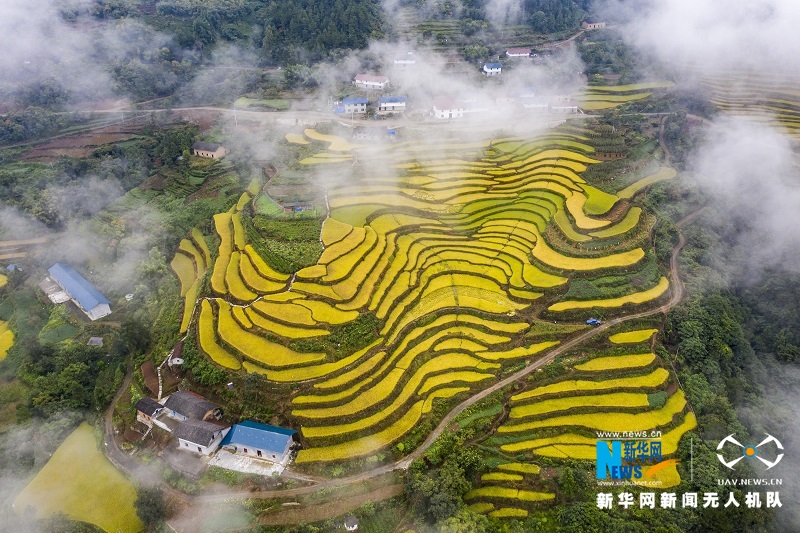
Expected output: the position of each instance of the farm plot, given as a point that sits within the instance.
(80, 482)
(597, 98)
(451, 263)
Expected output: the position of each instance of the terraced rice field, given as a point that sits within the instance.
(598, 98)
(6, 339)
(449, 255)
(772, 100)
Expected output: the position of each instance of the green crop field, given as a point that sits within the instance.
(80, 482)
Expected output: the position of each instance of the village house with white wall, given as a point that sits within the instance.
(370, 81)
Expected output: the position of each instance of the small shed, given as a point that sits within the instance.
(260, 440)
(95, 341)
(351, 523)
(210, 150)
(199, 436)
(146, 410)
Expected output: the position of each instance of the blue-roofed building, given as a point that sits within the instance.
(80, 291)
(260, 440)
(355, 104)
(492, 69)
(392, 104)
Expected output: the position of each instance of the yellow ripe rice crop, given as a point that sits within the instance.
(575, 205)
(667, 475)
(616, 399)
(234, 281)
(6, 339)
(444, 393)
(184, 269)
(629, 222)
(208, 342)
(343, 246)
(562, 221)
(523, 468)
(288, 312)
(616, 362)
(670, 439)
(365, 445)
(340, 267)
(188, 306)
(200, 241)
(334, 231)
(241, 317)
(635, 298)
(567, 439)
(296, 138)
(509, 512)
(651, 380)
(223, 225)
(199, 260)
(3, 280)
(548, 256)
(254, 280)
(382, 391)
(614, 99)
(500, 476)
(515, 353)
(608, 421)
(357, 372)
(263, 268)
(258, 348)
(508, 493)
(312, 272)
(452, 377)
(335, 143)
(568, 451)
(664, 173)
(325, 313)
(243, 200)
(290, 332)
(238, 231)
(640, 335)
(597, 202)
(292, 375)
(481, 507)
(466, 345)
(631, 86)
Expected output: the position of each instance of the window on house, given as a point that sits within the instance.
(245, 450)
(259, 453)
(199, 449)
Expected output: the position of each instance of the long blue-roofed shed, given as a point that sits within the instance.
(80, 291)
(260, 440)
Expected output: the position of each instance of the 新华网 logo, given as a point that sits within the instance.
(751, 451)
(619, 459)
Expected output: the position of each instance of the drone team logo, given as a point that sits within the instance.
(751, 451)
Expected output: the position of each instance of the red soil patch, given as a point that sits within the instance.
(150, 376)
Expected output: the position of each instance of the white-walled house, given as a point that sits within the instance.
(76, 288)
(445, 107)
(493, 69)
(392, 104)
(355, 105)
(199, 436)
(210, 150)
(518, 52)
(369, 81)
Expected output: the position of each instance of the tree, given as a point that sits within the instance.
(150, 506)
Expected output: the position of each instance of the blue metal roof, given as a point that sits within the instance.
(261, 436)
(355, 100)
(76, 285)
(494, 65)
(392, 100)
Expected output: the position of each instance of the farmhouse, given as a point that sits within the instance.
(391, 104)
(566, 107)
(200, 436)
(445, 107)
(211, 150)
(351, 523)
(367, 133)
(183, 405)
(260, 440)
(518, 52)
(368, 81)
(63, 284)
(492, 69)
(355, 105)
(146, 410)
(592, 25)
